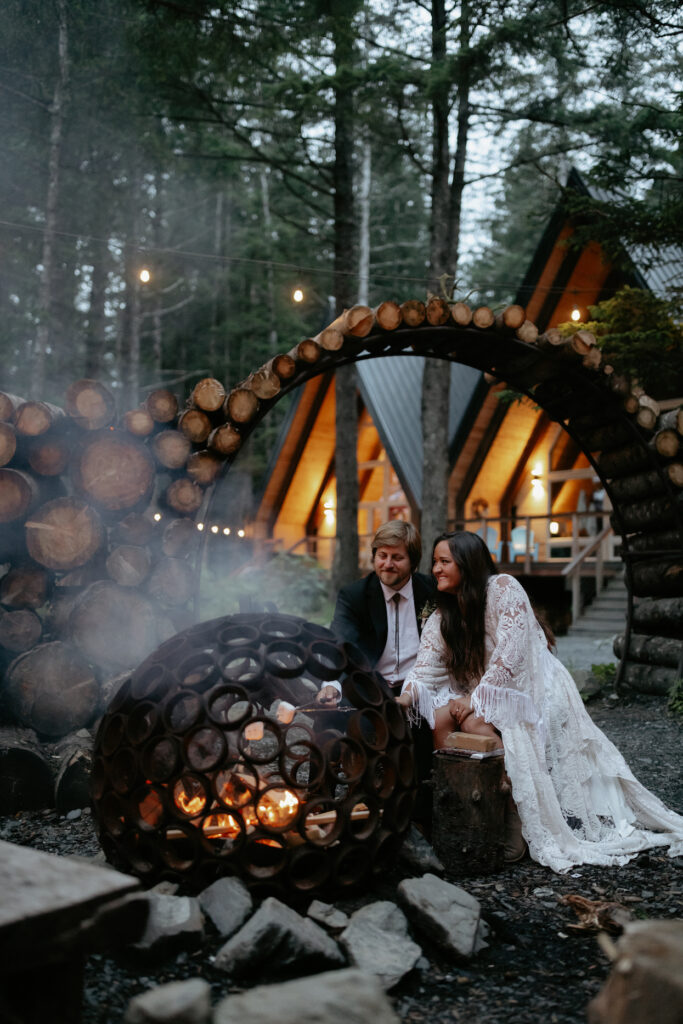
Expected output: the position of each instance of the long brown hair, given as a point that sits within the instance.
(462, 614)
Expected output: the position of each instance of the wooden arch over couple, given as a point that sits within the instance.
(633, 449)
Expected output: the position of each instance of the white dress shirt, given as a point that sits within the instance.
(395, 668)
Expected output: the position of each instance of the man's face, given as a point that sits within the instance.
(392, 565)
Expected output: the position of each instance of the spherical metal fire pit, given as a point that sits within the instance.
(213, 759)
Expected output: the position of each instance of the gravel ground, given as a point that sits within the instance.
(536, 967)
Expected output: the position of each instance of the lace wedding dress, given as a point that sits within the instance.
(577, 798)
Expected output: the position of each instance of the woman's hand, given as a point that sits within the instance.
(460, 708)
(405, 699)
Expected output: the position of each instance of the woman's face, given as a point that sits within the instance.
(445, 571)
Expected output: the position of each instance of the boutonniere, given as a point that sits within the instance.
(427, 609)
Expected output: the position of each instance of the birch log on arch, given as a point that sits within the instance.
(49, 455)
(283, 365)
(331, 339)
(667, 443)
(672, 420)
(413, 312)
(643, 485)
(25, 586)
(437, 312)
(171, 448)
(34, 418)
(139, 422)
(661, 540)
(64, 533)
(162, 405)
(650, 515)
(208, 394)
(51, 689)
(511, 318)
(18, 493)
(203, 467)
(195, 424)
(650, 650)
(661, 578)
(461, 314)
(113, 470)
(225, 440)
(388, 315)
(357, 321)
(90, 404)
(112, 626)
(264, 383)
(307, 351)
(483, 317)
(648, 412)
(8, 442)
(129, 565)
(528, 332)
(663, 617)
(242, 404)
(184, 496)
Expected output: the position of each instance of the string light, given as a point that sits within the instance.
(157, 516)
(214, 529)
(240, 533)
(200, 526)
(226, 531)
(298, 295)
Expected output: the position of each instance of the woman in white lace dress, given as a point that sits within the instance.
(484, 663)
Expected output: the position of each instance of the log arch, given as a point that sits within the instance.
(614, 426)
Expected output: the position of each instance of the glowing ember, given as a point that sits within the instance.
(189, 796)
(277, 807)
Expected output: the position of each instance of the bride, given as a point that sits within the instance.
(484, 662)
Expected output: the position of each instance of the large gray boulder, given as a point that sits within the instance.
(445, 913)
(280, 940)
(377, 942)
(338, 997)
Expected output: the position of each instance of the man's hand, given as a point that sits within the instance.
(328, 695)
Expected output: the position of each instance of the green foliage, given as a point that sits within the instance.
(675, 701)
(605, 673)
(296, 584)
(640, 335)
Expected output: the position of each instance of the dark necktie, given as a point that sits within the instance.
(397, 600)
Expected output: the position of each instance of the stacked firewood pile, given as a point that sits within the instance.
(646, 479)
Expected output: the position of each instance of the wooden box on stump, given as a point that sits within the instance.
(470, 793)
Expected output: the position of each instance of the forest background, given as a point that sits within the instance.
(356, 150)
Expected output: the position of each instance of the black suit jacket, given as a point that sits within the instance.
(360, 615)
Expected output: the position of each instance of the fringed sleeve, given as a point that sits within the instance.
(429, 682)
(504, 695)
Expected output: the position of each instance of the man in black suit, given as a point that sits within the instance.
(383, 614)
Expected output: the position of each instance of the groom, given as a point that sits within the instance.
(383, 614)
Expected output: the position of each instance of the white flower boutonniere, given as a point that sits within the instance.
(427, 609)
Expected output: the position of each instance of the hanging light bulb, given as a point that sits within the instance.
(145, 275)
(298, 295)
(576, 314)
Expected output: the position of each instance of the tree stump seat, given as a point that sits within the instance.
(54, 912)
(470, 793)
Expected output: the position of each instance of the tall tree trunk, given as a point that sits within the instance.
(129, 356)
(364, 240)
(270, 281)
(443, 258)
(95, 330)
(57, 112)
(346, 464)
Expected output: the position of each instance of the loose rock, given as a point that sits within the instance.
(338, 997)
(418, 855)
(377, 942)
(178, 1002)
(174, 923)
(279, 938)
(328, 916)
(447, 914)
(227, 903)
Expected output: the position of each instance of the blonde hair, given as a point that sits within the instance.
(399, 532)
